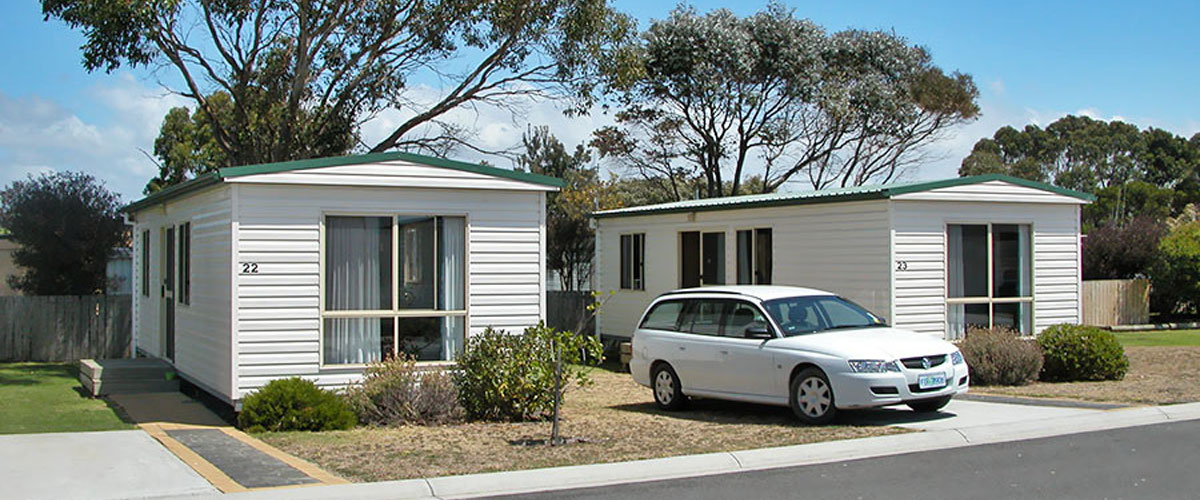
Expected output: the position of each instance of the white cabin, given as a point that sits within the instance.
(314, 268)
(934, 257)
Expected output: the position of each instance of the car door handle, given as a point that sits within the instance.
(682, 348)
(725, 353)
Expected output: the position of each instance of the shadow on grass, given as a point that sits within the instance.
(34, 374)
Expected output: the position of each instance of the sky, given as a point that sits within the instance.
(1034, 61)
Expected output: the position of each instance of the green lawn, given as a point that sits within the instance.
(44, 397)
(1160, 338)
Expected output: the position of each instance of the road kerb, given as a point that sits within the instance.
(585, 476)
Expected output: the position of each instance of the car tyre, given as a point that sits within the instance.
(811, 397)
(929, 405)
(668, 392)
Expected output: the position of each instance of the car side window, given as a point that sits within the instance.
(703, 317)
(741, 316)
(664, 316)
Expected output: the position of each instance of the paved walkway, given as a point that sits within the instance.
(229, 459)
(94, 466)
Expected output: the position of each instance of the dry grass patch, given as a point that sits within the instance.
(616, 418)
(1157, 375)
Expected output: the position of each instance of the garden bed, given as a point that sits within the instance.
(613, 420)
(1158, 374)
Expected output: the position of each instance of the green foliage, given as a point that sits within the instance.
(569, 234)
(1122, 251)
(278, 81)
(513, 377)
(708, 92)
(1132, 171)
(294, 404)
(1175, 277)
(1078, 352)
(66, 224)
(396, 392)
(997, 356)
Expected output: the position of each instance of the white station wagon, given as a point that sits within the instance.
(788, 346)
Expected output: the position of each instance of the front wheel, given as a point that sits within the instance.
(812, 397)
(668, 392)
(929, 405)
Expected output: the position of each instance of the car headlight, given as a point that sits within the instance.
(956, 358)
(873, 366)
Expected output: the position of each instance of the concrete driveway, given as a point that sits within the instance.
(93, 465)
(961, 413)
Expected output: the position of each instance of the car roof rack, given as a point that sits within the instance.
(717, 291)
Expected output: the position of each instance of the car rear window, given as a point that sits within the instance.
(664, 316)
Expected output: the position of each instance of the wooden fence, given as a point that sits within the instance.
(65, 328)
(564, 310)
(1116, 302)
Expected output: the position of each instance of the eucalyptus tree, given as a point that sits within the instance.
(300, 76)
(714, 95)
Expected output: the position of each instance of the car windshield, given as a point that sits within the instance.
(804, 315)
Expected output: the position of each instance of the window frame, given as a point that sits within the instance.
(754, 260)
(145, 262)
(633, 278)
(990, 299)
(183, 264)
(724, 251)
(395, 313)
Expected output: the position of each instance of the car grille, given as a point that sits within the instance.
(919, 363)
(916, 389)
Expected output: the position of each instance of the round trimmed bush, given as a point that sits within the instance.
(1077, 352)
(294, 404)
(997, 356)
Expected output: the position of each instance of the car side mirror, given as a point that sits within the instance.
(759, 332)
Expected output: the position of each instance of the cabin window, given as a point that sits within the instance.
(754, 256)
(989, 277)
(633, 261)
(393, 285)
(185, 263)
(145, 263)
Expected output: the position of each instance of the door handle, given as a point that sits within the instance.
(725, 352)
(682, 348)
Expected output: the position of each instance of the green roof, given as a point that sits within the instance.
(828, 196)
(208, 179)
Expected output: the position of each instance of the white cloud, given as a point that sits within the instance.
(41, 135)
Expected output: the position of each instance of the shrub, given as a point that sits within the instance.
(396, 392)
(997, 356)
(1077, 352)
(1175, 276)
(512, 377)
(294, 404)
(1122, 251)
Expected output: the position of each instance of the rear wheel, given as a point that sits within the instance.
(812, 397)
(668, 392)
(929, 405)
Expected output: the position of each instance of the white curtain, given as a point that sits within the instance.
(451, 286)
(954, 258)
(354, 265)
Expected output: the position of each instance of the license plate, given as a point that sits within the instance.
(931, 380)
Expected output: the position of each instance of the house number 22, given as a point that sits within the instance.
(901, 265)
(249, 268)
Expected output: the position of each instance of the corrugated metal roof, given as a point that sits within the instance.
(827, 196)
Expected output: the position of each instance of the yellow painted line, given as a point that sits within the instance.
(219, 479)
(203, 467)
(301, 465)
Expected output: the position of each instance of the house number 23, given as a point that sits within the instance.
(249, 268)
(901, 265)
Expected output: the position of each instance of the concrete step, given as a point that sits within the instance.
(127, 376)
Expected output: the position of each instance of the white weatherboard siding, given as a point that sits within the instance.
(920, 241)
(202, 328)
(840, 247)
(277, 310)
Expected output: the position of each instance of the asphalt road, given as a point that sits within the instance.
(1157, 461)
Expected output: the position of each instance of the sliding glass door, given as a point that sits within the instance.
(989, 277)
(393, 285)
